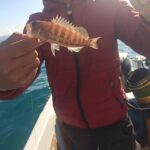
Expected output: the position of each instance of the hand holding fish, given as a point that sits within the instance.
(59, 32)
(18, 61)
(143, 6)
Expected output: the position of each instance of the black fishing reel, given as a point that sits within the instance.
(139, 83)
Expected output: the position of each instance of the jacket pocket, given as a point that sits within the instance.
(126, 128)
(124, 138)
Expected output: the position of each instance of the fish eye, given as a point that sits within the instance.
(34, 23)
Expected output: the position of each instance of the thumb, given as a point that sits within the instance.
(13, 38)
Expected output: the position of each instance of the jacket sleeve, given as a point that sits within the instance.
(10, 94)
(130, 28)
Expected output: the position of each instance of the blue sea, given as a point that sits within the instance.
(18, 116)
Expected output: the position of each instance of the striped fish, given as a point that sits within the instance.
(60, 32)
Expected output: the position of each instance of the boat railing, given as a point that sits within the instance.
(43, 131)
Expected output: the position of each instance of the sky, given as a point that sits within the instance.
(15, 13)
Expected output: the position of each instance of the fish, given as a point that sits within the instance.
(60, 32)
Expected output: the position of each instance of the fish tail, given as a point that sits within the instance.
(93, 42)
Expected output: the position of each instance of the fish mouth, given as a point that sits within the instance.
(31, 26)
(32, 29)
(34, 24)
(28, 29)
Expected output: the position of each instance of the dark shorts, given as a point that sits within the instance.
(118, 136)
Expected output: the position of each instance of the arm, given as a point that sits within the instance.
(19, 65)
(131, 29)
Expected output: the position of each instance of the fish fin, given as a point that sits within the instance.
(74, 49)
(83, 31)
(65, 22)
(54, 47)
(93, 42)
(62, 21)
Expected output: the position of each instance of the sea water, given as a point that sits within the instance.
(18, 116)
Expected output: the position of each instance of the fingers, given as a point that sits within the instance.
(15, 83)
(21, 62)
(28, 78)
(13, 38)
(28, 74)
(26, 70)
(22, 76)
(19, 48)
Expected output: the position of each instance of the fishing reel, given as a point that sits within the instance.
(139, 83)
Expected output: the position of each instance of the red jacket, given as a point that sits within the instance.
(86, 89)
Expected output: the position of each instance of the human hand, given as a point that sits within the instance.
(143, 6)
(18, 61)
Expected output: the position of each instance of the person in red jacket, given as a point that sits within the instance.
(87, 93)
